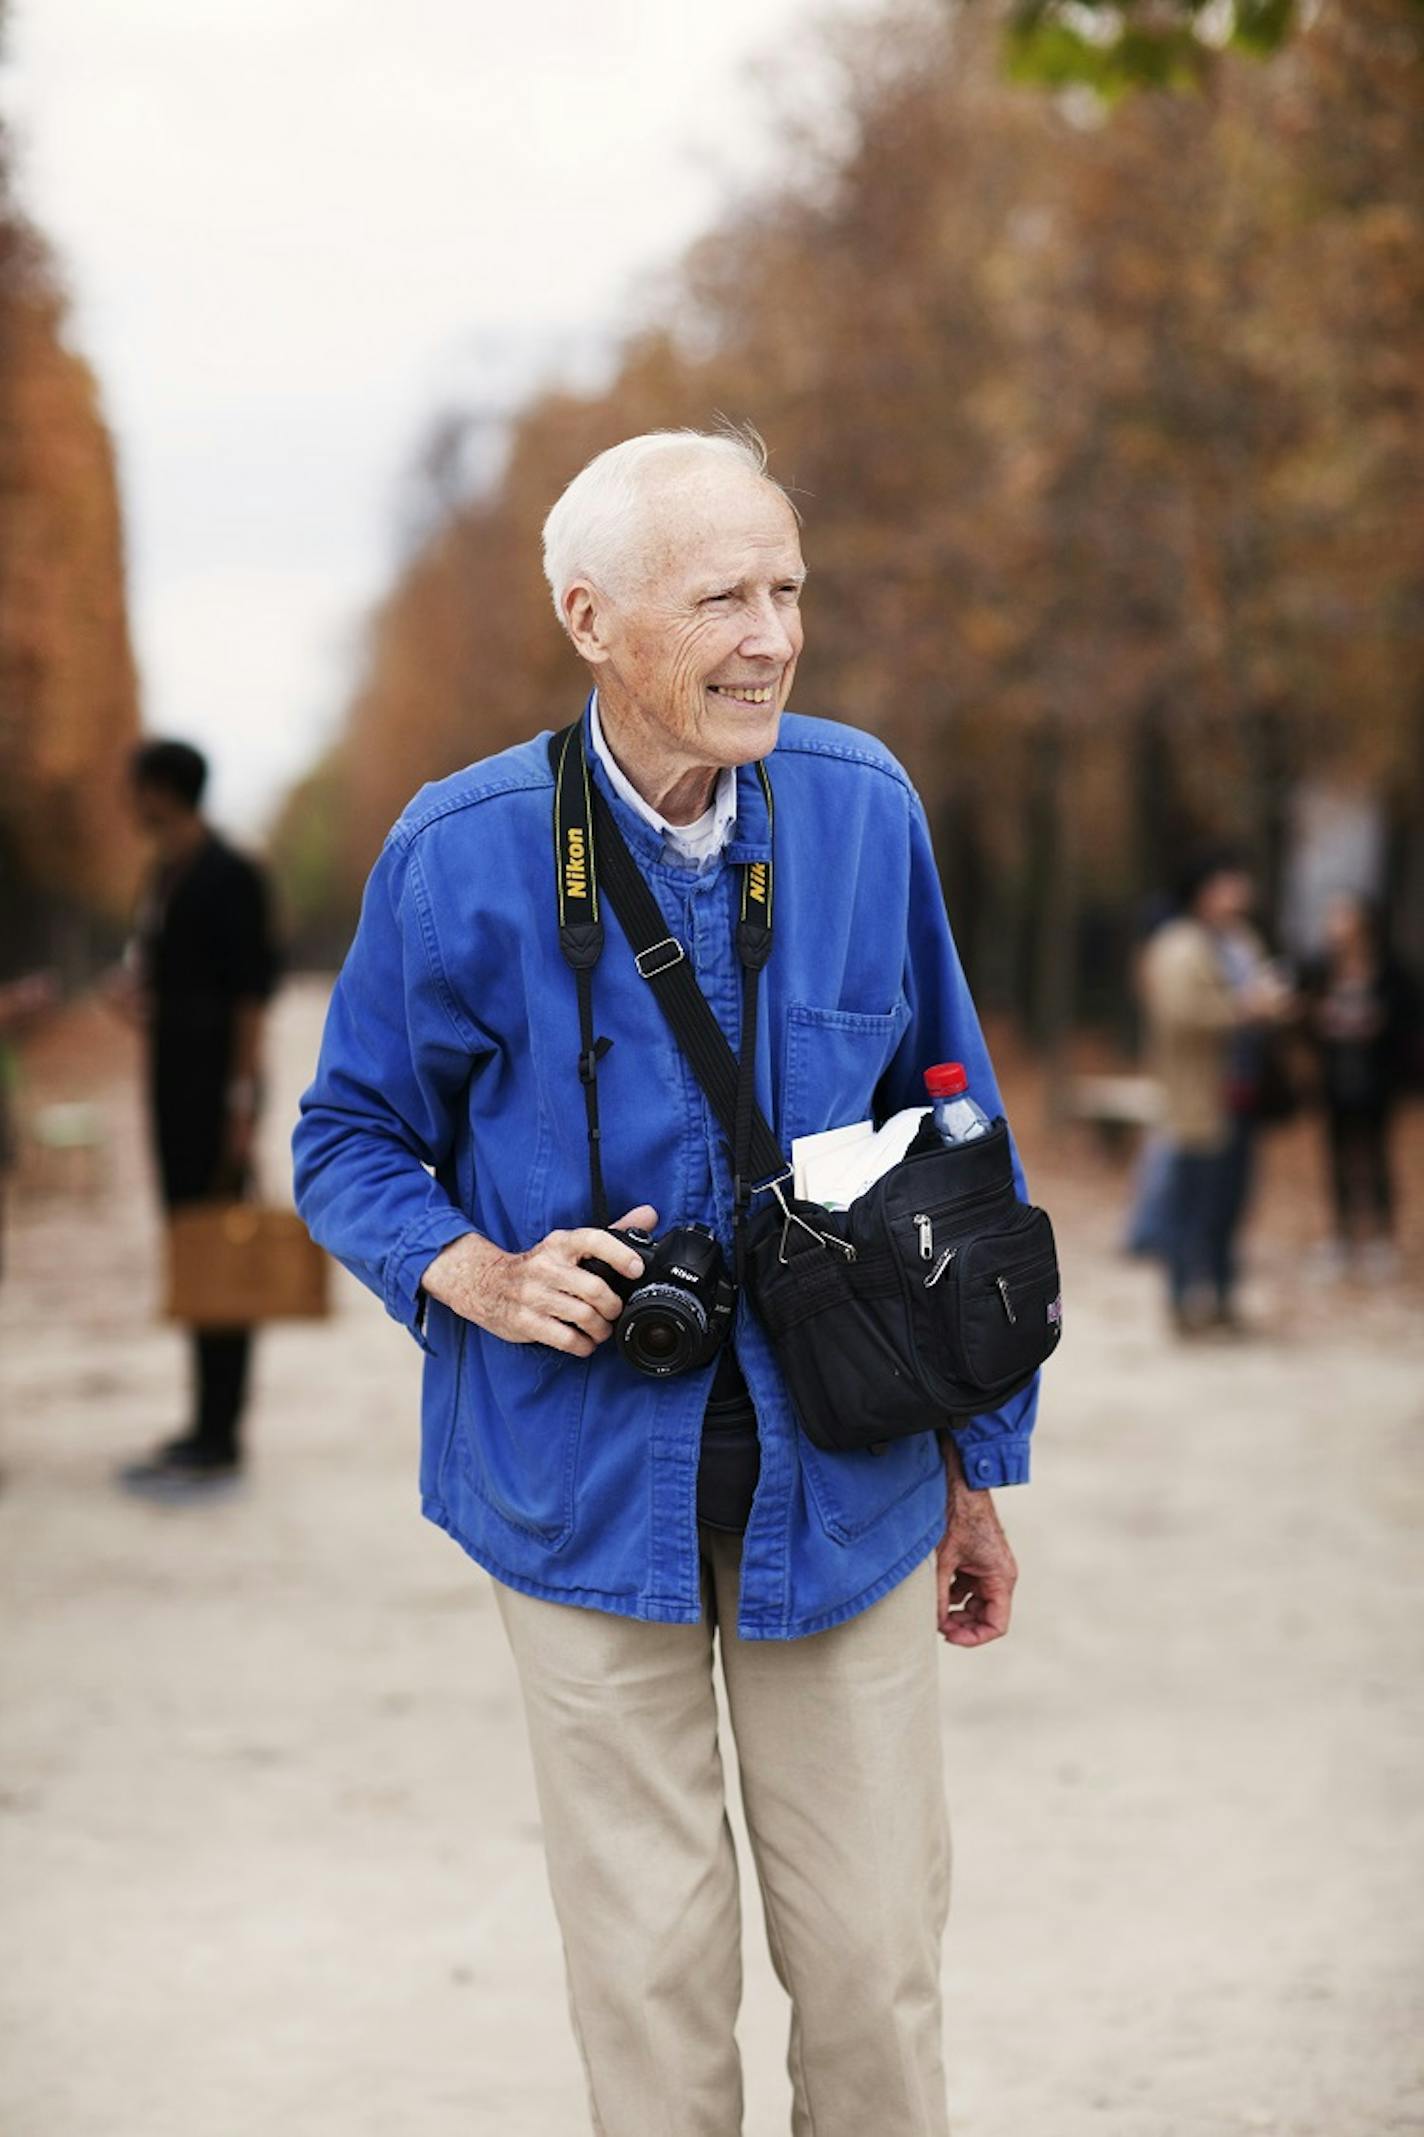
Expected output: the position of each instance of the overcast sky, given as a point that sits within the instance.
(295, 230)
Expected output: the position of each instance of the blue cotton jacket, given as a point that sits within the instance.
(447, 1099)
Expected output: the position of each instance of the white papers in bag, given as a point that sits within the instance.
(836, 1166)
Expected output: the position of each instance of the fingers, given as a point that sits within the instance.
(546, 1296)
(978, 1609)
(974, 1605)
(588, 1243)
(558, 1287)
(577, 1283)
(563, 1306)
(559, 1335)
(556, 1283)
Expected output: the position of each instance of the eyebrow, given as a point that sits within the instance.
(734, 585)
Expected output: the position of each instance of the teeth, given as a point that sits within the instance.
(762, 696)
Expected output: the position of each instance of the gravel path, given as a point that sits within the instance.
(271, 1858)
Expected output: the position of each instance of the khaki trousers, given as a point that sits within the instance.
(838, 1744)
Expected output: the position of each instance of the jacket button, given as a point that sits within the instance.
(982, 1466)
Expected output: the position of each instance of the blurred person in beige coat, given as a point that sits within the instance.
(1210, 994)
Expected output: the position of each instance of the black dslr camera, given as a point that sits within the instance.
(677, 1313)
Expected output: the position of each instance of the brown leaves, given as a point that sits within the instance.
(1108, 433)
(68, 698)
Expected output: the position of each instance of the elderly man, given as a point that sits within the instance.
(635, 1524)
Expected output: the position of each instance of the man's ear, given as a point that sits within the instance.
(586, 621)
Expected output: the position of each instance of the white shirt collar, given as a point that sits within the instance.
(696, 844)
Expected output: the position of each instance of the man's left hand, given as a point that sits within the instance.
(974, 1566)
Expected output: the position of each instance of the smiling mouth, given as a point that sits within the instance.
(745, 693)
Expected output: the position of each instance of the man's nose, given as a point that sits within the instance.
(768, 636)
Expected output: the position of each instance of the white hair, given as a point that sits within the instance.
(592, 531)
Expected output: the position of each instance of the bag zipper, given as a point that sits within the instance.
(924, 1220)
(952, 1206)
(939, 1268)
(1002, 1286)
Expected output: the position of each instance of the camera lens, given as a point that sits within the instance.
(662, 1329)
(660, 1340)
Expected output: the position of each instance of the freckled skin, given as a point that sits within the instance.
(711, 596)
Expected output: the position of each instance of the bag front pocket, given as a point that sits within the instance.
(840, 1334)
(1005, 1306)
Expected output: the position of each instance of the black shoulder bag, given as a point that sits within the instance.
(935, 1294)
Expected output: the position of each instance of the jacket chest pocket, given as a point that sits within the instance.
(832, 1061)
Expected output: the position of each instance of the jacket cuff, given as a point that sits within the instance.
(991, 1463)
(423, 1238)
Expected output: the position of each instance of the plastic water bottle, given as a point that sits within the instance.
(956, 1116)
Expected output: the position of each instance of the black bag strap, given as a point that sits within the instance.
(593, 857)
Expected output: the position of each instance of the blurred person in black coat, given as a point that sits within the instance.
(1362, 1014)
(202, 966)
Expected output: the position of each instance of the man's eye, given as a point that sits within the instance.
(791, 589)
(717, 597)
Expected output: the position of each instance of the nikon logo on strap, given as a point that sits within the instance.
(575, 864)
(756, 884)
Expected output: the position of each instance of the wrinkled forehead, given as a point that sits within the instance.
(718, 524)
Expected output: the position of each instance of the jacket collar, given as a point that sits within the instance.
(694, 845)
(751, 830)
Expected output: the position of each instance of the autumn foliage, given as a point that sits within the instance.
(68, 698)
(1105, 428)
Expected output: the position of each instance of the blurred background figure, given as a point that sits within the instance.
(199, 972)
(1361, 1013)
(1147, 1229)
(1211, 999)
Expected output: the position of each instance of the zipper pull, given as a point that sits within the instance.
(1003, 1284)
(939, 1268)
(926, 1232)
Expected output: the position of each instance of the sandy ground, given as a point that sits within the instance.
(271, 1856)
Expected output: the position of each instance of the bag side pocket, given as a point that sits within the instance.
(1005, 1307)
(966, 1247)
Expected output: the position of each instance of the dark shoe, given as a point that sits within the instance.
(185, 1468)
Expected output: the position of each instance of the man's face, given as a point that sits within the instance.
(1226, 898)
(702, 639)
(161, 817)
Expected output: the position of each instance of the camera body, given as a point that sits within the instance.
(676, 1315)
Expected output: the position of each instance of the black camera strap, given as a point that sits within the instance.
(591, 855)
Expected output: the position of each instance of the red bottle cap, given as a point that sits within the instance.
(946, 1079)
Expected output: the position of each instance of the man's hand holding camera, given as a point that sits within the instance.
(543, 1295)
